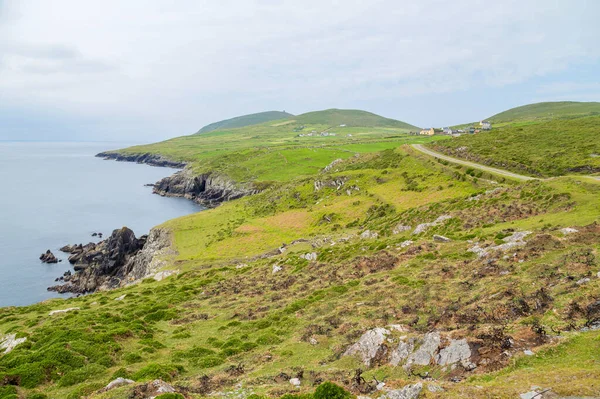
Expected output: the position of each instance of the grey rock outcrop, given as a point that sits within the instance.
(423, 227)
(425, 354)
(10, 342)
(209, 189)
(402, 352)
(116, 383)
(513, 241)
(370, 346)
(373, 347)
(408, 392)
(439, 238)
(458, 351)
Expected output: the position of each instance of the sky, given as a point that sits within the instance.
(145, 70)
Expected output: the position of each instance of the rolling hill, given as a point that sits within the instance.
(350, 117)
(547, 111)
(245, 120)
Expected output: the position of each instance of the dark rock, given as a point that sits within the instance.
(48, 257)
(94, 234)
(100, 265)
(208, 189)
(149, 159)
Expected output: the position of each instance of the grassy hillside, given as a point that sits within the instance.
(245, 316)
(547, 111)
(245, 120)
(348, 117)
(281, 150)
(554, 148)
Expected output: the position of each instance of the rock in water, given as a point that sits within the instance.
(48, 257)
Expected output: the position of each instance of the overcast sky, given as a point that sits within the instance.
(143, 70)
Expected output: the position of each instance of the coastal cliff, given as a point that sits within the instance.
(208, 189)
(145, 158)
(120, 260)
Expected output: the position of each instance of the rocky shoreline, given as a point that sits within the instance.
(119, 260)
(206, 189)
(145, 158)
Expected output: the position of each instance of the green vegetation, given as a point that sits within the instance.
(245, 120)
(555, 148)
(247, 314)
(547, 111)
(286, 149)
(352, 118)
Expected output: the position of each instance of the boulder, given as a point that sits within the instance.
(368, 234)
(458, 351)
(10, 342)
(52, 313)
(408, 392)
(370, 346)
(119, 382)
(440, 238)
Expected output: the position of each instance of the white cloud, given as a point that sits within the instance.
(176, 65)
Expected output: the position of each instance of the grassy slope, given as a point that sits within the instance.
(547, 111)
(274, 151)
(335, 117)
(228, 308)
(553, 148)
(245, 120)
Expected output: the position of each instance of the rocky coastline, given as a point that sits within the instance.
(206, 189)
(119, 260)
(145, 158)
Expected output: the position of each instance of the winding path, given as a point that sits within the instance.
(501, 172)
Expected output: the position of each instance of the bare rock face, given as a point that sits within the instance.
(458, 351)
(401, 353)
(207, 189)
(425, 354)
(431, 349)
(114, 262)
(370, 346)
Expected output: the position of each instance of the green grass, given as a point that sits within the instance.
(245, 120)
(547, 111)
(350, 118)
(274, 151)
(555, 148)
(228, 319)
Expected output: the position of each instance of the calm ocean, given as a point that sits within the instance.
(52, 194)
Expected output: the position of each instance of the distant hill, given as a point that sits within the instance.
(350, 117)
(547, 111)
(245, 120)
